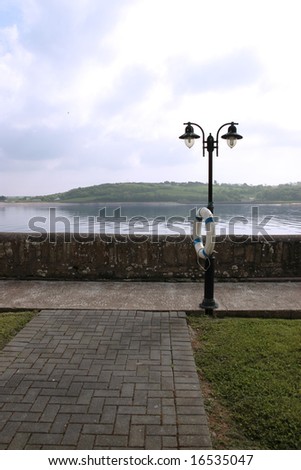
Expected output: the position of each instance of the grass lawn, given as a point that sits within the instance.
(11, 323)
(251, 375)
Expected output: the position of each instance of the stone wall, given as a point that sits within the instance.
(97, 257)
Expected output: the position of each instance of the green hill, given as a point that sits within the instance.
(191, 192)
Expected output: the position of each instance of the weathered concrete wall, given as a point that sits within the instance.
(97, 257)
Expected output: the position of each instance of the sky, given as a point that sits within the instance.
(97, 91)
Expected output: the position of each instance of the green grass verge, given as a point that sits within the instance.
(11, 323)
(252, 367)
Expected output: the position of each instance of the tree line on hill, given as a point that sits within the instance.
(169, 191)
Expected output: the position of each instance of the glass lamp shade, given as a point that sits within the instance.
(189, 136)
(189, 141)
(231, 141)
(231, 136)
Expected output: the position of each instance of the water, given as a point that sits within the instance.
(148, 218)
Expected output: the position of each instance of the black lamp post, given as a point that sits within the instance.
(210, 145)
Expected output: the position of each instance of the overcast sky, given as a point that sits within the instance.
(97, 91)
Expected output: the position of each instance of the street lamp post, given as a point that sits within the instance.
(210, 145)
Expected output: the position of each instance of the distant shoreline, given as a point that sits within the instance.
(131, 203)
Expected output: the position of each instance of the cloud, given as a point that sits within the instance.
(9, 13)
(237, 69)
(33, 144)
(62, 29)
(129, 88)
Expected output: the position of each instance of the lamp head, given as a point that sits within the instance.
(232, 135)
(189, 136)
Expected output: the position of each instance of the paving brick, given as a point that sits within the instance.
(160, 393)
(195, 410)
(122, 424)
(169, 442)
(127, 390)
(167, 430)
(194, 442)
(29, 417)
(64, 401)
(60, 423)
(86, 442)
(167, 383)
(73, 408)
(74, 389)
(19, 441)
(98, 429)
(8, 431)
(96, 405)
(84, 397)
(192, 419)
(40, 404)
(169, 419)
(137, 436)
(27, 426)
(147, 386)
(189, 393)
(187, 386)
(84, 418)
(122, 401)
(4, 418)
(72, 434)
(108, 414)
(154, 406)
(193, 429)
(140, 397)
(153, 442)
(45, 439)
(108, 442)
(49, 413)
(11, 407)
(132, 410)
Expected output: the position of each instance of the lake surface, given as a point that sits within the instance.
(148, 218)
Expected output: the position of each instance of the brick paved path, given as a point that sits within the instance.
(82, 379)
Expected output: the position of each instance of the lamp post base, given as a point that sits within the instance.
(209, 304)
